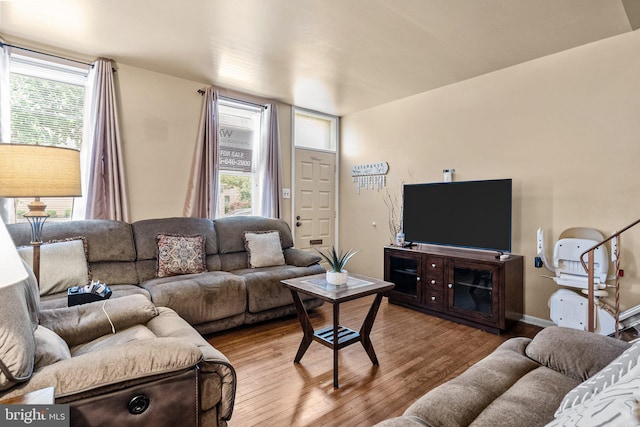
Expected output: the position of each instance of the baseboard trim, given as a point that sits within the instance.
(536, 321)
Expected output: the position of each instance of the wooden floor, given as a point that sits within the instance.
(416, 353)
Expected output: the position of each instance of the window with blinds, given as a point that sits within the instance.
(47, 108)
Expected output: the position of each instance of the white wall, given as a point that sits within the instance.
(565, 128)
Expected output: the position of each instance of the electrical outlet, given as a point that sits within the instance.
(286, 193)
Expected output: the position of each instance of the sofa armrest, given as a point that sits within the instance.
(129, 362)
(574, 353)
(300, 258)
(82, 323)
(169, 324)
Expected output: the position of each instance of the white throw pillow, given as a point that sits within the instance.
(63, 264)
(264, 248)
(608, 376)
(616, 405)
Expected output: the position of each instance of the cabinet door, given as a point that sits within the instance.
(473, 291)
(404, 269)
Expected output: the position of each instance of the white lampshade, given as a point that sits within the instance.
(39, 171)
(11, 268)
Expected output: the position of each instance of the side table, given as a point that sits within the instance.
(336, 336)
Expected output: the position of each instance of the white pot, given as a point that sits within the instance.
(337, 278)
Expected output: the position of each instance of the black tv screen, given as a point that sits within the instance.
(471, 214)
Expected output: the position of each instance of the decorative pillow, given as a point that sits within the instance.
(616, 405)
(17, 342)
(264, 248)
(179, 254)
(50, 348)
(608, 376)
(63, 264)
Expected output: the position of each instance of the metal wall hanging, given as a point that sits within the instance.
(370, 175)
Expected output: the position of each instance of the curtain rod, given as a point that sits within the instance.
(47, 54)
(241, 101)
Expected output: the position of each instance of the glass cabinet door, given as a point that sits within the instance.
(404, 270)
(471, 290)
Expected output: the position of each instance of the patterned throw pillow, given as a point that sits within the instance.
(607, 377)
(264, 248)
(179, 254)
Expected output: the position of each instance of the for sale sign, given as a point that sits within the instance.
(236, 148)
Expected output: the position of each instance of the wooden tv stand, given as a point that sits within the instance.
(465, 286)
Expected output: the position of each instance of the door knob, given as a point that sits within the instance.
(298, 224)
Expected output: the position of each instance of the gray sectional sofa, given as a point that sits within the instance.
(229, 294)
(139, 358)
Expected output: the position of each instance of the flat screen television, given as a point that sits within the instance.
(469, 214)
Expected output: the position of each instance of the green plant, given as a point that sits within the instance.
(337, 260)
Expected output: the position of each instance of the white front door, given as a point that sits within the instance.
(314, 205)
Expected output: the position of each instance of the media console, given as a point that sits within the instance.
(476, 288)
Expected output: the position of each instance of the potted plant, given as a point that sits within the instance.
(337, 275)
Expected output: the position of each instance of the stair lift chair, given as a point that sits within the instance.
(569, 308)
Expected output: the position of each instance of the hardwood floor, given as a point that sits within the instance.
(416, 353)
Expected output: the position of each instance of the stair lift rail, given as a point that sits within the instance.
(590, 274)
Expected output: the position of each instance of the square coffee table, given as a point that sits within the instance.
(336, 336)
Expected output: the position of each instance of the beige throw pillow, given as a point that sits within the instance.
(63, 264)
(264, 248)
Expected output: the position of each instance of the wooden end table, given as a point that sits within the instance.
(336, 336)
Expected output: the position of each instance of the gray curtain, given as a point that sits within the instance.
(270, 170)
(106, 195)
(202, 194)
(7, 211)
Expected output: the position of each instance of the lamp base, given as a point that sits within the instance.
(36, 217)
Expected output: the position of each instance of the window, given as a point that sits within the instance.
(47, 108)
(239, 137)
(314, 130)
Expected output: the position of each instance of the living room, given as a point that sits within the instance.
(562, 124)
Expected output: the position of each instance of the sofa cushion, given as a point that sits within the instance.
(179, 254)
(264, 290)
(231, 229)
(133, 333)
(50, 348)
(19, 318)
(201, 297)
(83, 323)
(530, 401)
(581, 355)
(616, 405)
(608, 376)
(461, 400)
(263, 248)
(145, 232)
(50, 302)
(63, 264)
(107, 240)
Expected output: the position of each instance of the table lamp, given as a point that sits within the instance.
(38, 171)
(10, 262)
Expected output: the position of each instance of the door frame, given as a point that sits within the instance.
(336, 172)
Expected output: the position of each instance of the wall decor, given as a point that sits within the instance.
(370, 175)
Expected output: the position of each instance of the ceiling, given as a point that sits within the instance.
(334, 56)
